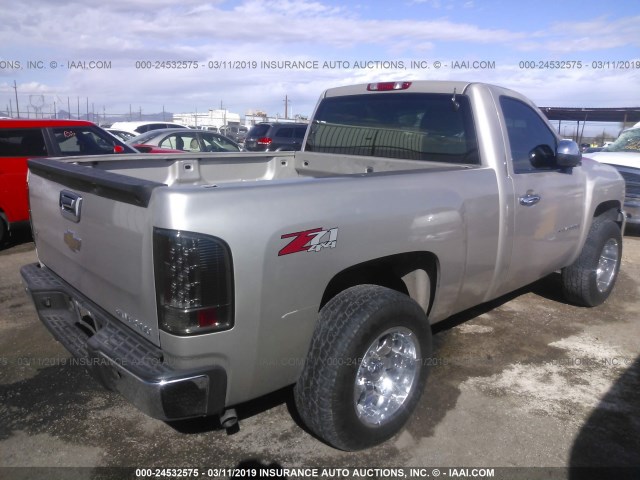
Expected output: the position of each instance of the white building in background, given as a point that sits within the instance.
(256, 116)
(211, 119)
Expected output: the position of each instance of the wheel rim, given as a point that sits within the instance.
(386, 376)
(607, 264)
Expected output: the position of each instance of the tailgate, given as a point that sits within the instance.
(93, 229)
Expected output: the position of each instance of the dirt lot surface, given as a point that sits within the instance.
(525, 381)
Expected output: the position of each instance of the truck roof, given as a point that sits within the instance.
(408, 86)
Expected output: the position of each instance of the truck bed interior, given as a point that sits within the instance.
(222, 168)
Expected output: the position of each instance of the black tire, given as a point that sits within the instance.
(3, 232)
(585, 282)
(349, 324)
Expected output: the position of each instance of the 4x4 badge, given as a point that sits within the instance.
(312, 240)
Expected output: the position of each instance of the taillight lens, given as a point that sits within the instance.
(264, 141)
(194, 289)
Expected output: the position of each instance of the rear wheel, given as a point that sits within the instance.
(365, 371)
(590, 279)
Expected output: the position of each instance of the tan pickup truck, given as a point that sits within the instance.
(192, 283)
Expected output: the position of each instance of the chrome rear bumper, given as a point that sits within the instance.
(118, 357)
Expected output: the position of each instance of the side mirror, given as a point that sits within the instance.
(568, 154)
(542, 156)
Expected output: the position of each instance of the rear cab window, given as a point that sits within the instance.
(413, 126)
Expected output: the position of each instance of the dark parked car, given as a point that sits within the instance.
(273, 137)
(235, 133)
(184, 139)
(23, 139)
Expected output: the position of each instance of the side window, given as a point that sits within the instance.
(83, 141)
(181, 141)
(526, 131)
(299, 132)
(22, 143)
(286, 132)
(216, 143)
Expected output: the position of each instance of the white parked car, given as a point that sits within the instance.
(141, 127)
(624, 155)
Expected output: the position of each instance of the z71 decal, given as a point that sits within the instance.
(312, 240)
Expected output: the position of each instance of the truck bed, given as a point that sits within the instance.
(108, 254)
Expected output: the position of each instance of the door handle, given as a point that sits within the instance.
(529, 199)
(70, 205)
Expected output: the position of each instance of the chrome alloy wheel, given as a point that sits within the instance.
(606, 271)
(389, 369)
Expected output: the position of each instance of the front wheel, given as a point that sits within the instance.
(365, 371)
(590, 279)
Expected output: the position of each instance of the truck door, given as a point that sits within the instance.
(547, 202)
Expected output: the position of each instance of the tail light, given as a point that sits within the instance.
(388, 86)
(264, 141)
(194, 289)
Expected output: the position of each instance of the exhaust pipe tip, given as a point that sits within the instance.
(229, 418)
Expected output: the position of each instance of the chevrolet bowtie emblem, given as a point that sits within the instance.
(73, 242)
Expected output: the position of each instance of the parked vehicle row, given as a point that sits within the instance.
(23, 139)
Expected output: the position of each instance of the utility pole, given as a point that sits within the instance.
(286, 106)
(15, 88)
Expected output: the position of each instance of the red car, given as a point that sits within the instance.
(23, 139)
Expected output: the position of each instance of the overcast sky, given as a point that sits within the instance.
(500, 33)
